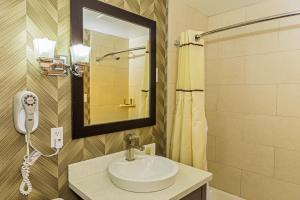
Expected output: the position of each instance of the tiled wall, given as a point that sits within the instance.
(181, 17)
(253, 103)
(109, 79)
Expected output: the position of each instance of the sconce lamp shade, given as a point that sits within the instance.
(80, 53)
(44, 48)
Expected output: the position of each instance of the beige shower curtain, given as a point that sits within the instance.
(189, 137)
(144, 97)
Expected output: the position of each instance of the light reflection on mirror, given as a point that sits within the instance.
(116, 84)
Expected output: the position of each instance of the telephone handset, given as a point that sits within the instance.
(26, 115)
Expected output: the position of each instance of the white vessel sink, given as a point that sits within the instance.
(144, 174)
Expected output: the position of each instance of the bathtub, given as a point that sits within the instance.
(215, 194)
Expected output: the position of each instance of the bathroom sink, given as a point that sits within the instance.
(144, 174)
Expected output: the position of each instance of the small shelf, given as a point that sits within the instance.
(127, 105)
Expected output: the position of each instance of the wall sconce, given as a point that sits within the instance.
(44, 53)
(57, 65)
(80, 55)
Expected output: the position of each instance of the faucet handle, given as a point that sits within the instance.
(131, 139)
(132, 142)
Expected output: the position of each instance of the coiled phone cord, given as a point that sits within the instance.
(26, 186)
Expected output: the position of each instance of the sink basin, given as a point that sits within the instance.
(144, 174)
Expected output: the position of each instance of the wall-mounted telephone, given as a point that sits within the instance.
(26, 120)
(26, 115)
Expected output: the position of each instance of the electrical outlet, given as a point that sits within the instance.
(57, 137)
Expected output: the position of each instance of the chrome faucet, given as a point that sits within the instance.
(132, 143)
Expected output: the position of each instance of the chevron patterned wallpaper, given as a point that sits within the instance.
(20, 22)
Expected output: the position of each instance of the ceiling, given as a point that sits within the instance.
(102, 23)
(213, 7)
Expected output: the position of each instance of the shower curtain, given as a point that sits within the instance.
(189, 137)
(144, 96)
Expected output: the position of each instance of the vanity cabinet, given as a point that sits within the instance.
(95, 184)
(199, 194)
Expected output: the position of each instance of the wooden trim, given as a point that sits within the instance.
(78, 128)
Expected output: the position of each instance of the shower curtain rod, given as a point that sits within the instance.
(250, 22)
(118, 52)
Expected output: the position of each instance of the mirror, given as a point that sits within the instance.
(117, 90)
(116, 84)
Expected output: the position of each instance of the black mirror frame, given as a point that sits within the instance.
(78, 128)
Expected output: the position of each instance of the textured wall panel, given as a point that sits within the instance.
(20, 22)
(12, 79)
(42, 22)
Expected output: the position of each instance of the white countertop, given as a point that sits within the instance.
(90, 180)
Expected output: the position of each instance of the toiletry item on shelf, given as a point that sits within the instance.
(130, 104)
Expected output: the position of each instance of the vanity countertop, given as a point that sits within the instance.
(90, 180)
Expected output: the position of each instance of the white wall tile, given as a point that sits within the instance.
(248, 99)
(262, 38)
(227, 125)
(233, 47)
(172, 66)
(246, 156)
(225, 178)
(263, 69)
(212, 68)
(211, 147)
(232, 71)
(228, 18)
(171, 94)
(212, 50)
(289, 70)
(211, 98)
(289, 33)
(289, 5)
(257, 187)
(255, 72)
(289, 100)
(287, 165)
(258, 159)
(229, 152)
(263, 9)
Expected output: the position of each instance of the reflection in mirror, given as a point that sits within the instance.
(116, 84)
